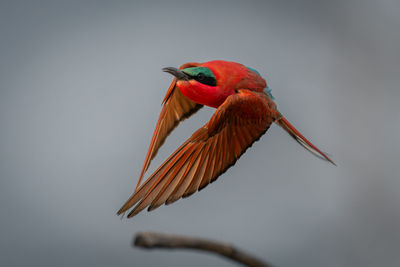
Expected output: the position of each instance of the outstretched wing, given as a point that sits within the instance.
(240, 121)
(176, 107)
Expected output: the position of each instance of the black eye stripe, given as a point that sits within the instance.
(200, 76)
(205, 79)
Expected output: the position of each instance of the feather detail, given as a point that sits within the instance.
(209, 152)
(293, 132)
(176, 108)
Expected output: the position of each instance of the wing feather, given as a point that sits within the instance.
(205, 180)
(185, 171)
(240, 121)
(172, 169)
(176, 108)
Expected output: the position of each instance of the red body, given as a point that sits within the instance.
(230, 76)
(244, 113)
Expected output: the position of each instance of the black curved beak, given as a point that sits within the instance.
(180, 75)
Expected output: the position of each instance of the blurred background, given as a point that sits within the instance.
(80, 92)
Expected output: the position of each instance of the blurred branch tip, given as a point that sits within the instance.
(152, 240)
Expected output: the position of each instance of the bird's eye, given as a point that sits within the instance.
(200, 77)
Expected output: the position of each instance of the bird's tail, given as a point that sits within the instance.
(285, 124)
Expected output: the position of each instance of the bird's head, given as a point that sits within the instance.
(211, 82)
(197, 76)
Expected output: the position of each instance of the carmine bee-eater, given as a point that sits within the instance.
(244, 111)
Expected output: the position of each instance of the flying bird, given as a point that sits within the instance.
(244, 111)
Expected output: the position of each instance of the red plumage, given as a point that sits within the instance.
(244, 113)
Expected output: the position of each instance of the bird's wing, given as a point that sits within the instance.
(240, 121)
(176, 107)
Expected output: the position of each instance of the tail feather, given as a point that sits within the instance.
(285, 124)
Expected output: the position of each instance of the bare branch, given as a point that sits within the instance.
(151, 240)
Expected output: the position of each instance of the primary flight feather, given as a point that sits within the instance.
(244, 111)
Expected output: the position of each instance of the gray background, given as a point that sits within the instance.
(80, 92)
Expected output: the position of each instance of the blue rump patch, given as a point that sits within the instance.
(268, 91)
(253, 70)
